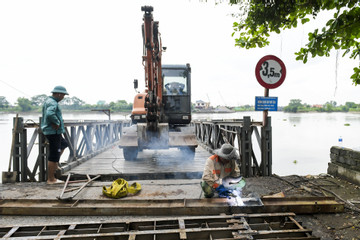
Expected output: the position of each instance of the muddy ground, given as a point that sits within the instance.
(344, 225)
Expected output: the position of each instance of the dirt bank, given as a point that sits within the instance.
(327, 226)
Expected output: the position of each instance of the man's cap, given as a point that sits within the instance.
(227, 151)
(60, 89)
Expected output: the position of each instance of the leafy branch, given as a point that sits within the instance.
(259, 18)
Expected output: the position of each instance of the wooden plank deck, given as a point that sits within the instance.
(154, 163)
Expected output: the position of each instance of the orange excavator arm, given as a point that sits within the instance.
(153, 72)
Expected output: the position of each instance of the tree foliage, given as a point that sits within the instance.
(351, 104)
(258, 18)
(293, 106)
(73, 103)
(3, 102)
(35, 103)
(24, 104)
(120, 105)
(38, 100)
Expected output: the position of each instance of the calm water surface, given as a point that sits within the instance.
(301, 141)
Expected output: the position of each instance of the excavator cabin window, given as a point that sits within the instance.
(175, 82)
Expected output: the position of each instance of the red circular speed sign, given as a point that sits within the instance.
(270, 71)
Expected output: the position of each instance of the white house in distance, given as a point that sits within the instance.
(199, 104)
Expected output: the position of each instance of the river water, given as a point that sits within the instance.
(301, 141)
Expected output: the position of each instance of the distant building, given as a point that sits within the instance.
(199, 104)
(317, 106)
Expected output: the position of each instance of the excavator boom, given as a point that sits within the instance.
(153, 76)
(161, 115)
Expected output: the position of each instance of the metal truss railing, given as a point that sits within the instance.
(212, 134)
(86, 139)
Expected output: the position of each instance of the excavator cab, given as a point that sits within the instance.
(177, 94)
(176, 97)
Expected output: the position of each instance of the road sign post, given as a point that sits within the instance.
(270, 72)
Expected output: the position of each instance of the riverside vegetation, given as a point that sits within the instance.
(34, 104)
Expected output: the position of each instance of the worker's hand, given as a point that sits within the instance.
(220, 188)
(223, 192)
(54, 126)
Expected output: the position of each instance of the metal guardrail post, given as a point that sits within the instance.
(70, 137)
(23, 146)
(17, 150)
(42, 158)
(266, 148)
(246, 148)
(20, 151)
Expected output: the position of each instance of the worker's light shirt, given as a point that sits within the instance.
(215, 170)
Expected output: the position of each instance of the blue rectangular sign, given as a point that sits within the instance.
(266, 103)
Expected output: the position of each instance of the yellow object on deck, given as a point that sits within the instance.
(120, 188)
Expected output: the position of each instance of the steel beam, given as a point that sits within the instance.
(224, 227)
(164, 207)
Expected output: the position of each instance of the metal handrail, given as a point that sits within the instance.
(86, 138)
(212, 134)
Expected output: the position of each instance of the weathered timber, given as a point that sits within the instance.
(238, 226)
(164, 207)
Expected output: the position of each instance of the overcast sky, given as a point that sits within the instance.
(94, 49)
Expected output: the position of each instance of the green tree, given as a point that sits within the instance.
(100, 103)
(73, 103)
(24, 104)
(332, 103)
(258, 18)
(38, 100)
(120, 105)
(3, 102)
(344, 108)
(351, 104)
(293, 106)
(328, 107)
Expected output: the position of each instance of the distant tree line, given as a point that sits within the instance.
(76, 104)
(243, 108)
(68, 104)
(295, 105)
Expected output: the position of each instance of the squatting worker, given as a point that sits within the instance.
(218, 166)
(52, 126)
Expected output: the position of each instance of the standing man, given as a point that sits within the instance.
(220, 165)
(52, 126)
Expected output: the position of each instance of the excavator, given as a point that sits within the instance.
(161, 114)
